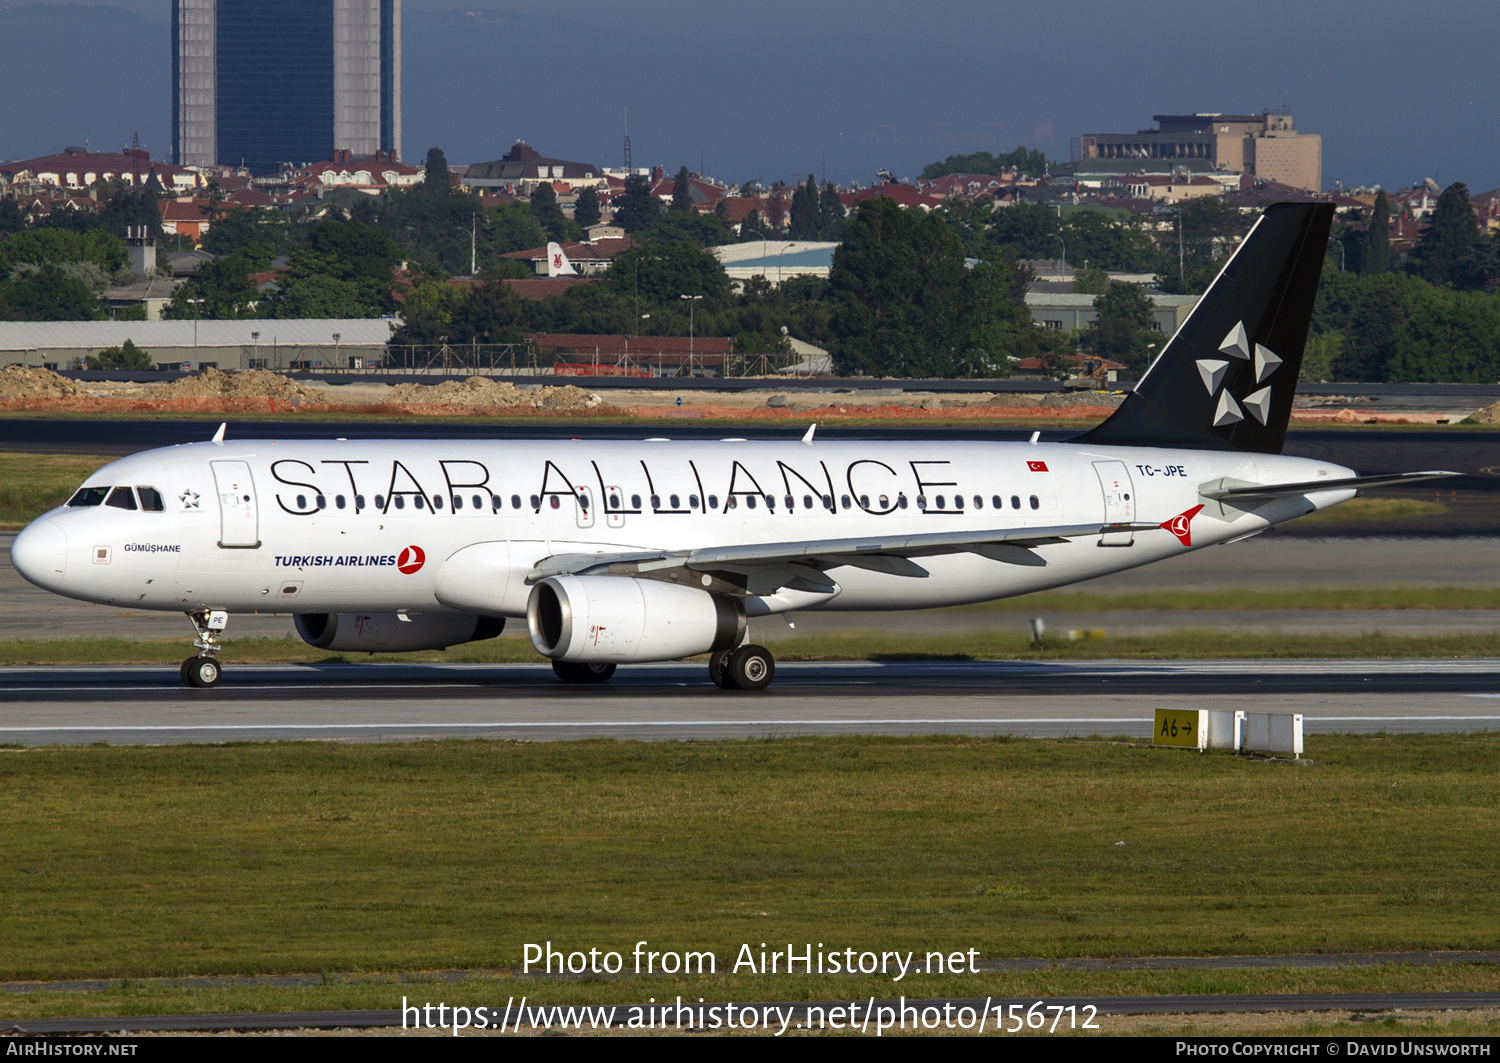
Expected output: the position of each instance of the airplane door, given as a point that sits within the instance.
(1119, 500)
(614, 502)
(239, 519)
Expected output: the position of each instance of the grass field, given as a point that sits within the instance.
(31, 484)
(265, 858)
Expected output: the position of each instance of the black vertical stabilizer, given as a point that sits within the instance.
(1227, 378)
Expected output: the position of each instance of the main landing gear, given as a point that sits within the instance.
(204, 671)
(750, 667)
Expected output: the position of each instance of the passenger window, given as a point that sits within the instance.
(942, 502)
(635, 501)
(713, 501)
(555, 503)
(458, 502)
(400, 501)
(420, 502)
(844, 501)
(978, 502)
(676, 502)
(583, 502)
(121, 498)
(536, 502)
(770, 501)
(827, 501)
(359, 501)
(958, 501)
(1015, 501)
(807, 501)
(732, 503)
(1036, 503)
(885, 501)
(88, 496)
(692, 501)
(479, 502)
(656, 501)
(901, 501)
(322, 502)
(750, 501)
(515, 501)
(922, 502)
(380, 501)
(437, 502)
(301, 502)
(150, 499)
(998, 502)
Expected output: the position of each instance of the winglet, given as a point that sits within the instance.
(219, 435)
(810, 430)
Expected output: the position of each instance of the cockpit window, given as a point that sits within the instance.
(89, 496)
(150, 499)
(121, 498)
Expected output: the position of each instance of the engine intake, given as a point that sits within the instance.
(623, 619)
(391, 633)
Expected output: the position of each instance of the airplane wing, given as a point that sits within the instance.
(1231, 492)
(881, 553)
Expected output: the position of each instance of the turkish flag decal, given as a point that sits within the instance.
(1182, 525)
(1037, 466)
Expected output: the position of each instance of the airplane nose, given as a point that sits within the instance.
(40, 553)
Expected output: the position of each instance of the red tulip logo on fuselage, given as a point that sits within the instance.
(1182, 525)
(410, 560)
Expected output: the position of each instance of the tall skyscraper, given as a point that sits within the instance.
(262, 82)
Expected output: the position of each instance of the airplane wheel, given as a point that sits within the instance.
(575, 672)
(751, 668)
(201, 672)
(718, 669)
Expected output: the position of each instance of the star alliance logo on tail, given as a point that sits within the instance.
(1182, 525)
(1236, 345)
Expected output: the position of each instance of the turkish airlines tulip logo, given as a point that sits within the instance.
(411, 560)
(1182, 525)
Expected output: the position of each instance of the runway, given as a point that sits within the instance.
(127, 706)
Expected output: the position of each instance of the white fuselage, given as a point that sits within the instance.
(369, 526)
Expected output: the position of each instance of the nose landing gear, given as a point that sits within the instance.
(203, 671)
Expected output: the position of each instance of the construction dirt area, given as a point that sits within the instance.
(263, 392)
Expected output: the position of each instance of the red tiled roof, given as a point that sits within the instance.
(578, 252)
(905, 195)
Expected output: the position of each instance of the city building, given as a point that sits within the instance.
(522, 168)
(1264, 146)
(79, 168)
(263, 82)
(277, 344)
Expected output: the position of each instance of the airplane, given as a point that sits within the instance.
(628, 551)
(558, 264)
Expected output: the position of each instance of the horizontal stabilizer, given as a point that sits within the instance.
(1253, 491)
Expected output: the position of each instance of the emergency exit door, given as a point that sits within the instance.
(1119, 501)
(239, 518)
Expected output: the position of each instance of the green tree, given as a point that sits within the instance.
(1375, 252)
(47, 293)
(831, 221)
(586, 210)
(1025, 163)
(1370, 335)
(667, 271)
(59, 247)
(322, 296)
(805, 213)
(682, 191)
(11, 218)
(903, 302)
(220, 290)
(1122, 331)
(636, 207)
(1090, 281)
(1452, 252)
(125, 356)
(437, 178)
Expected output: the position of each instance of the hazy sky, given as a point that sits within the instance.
(781, 88)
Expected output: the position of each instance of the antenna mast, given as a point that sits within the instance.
(627, 142)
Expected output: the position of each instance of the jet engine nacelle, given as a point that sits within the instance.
(622, 619)
(392, 633)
